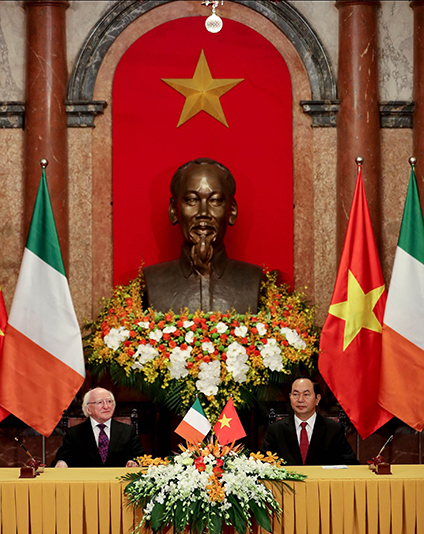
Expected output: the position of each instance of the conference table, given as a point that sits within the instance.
(330, 501)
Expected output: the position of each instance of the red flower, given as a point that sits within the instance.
(193, 328)
(131, 352)
(219, 462)
(132, 333)
(244, 340)
(172, 344)
(214, 331)
(285, 342)
(199, 463)
(223, 337)
(167, 355)
(176, 333)
(264, 340)
(205, 340)
(180, 323)
(166, 337)
(286, 313)
(254, 330)
(168, 317)
(151, 325)
(197, 320)
(199, 357)
(217, 471)
(206, 359)
(212, 318)
(235, 323)
(284, 324)
(129, 302)
(127, 343)
(205, 326)
(161, 348)
(189, 365)
(183, 346)
(152, 341)
(224, 357)
(161, 325)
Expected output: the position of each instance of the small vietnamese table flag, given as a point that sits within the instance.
(350, 347)
(402, 363)
(195, 425)
(42, 365)
(228, 428)
(3, 322)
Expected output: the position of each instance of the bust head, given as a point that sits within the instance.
(203, 202)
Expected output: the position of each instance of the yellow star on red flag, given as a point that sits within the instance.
(357, 310)
(202, 92)
(225, 421)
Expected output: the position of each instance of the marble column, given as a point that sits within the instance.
(358, 119)
(418, 93)
(45, 113)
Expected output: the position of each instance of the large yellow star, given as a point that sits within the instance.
(357, 310)
(1, 332)
(202, 92)
(225, 421)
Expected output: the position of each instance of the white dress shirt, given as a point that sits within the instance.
(309, 427)
(96, 429)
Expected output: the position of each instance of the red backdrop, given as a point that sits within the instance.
(148, 147)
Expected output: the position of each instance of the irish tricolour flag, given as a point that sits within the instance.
(42, 364)
(195, 426)
(402, 363)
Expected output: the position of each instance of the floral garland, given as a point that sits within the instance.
(205, 487)
(208, 354)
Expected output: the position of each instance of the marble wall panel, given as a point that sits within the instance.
(323, 18)
(396, 149)
(396, 50)
(325, 217)
(80, 221)
(12, 55)
(81, 17)
(11, 210)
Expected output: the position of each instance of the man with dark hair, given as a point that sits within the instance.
(204, 276)
(307, 437)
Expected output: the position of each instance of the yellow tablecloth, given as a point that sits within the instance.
(91, 501)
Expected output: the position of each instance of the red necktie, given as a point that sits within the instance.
(304, 442)
(103, 443)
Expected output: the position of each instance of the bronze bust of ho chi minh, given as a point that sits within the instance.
(204, 277)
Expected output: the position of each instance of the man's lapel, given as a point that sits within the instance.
(292, 440)
(115, 432)
(316, 440)
(89, 440)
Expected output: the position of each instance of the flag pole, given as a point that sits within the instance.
(359, 161)
(43, 163)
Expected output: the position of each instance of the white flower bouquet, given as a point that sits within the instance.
(206, 487)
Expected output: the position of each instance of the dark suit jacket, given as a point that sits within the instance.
(79, 448)
(328, 444)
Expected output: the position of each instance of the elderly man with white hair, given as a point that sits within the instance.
(99, 441)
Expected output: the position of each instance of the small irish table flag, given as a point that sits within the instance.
(194, 427)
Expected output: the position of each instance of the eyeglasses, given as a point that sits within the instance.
(99, 402)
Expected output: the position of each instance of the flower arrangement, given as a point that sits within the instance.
(210, 354)
(205, 487)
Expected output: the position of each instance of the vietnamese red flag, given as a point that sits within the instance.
(3, 323)
(228, 428)
(350, 348)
